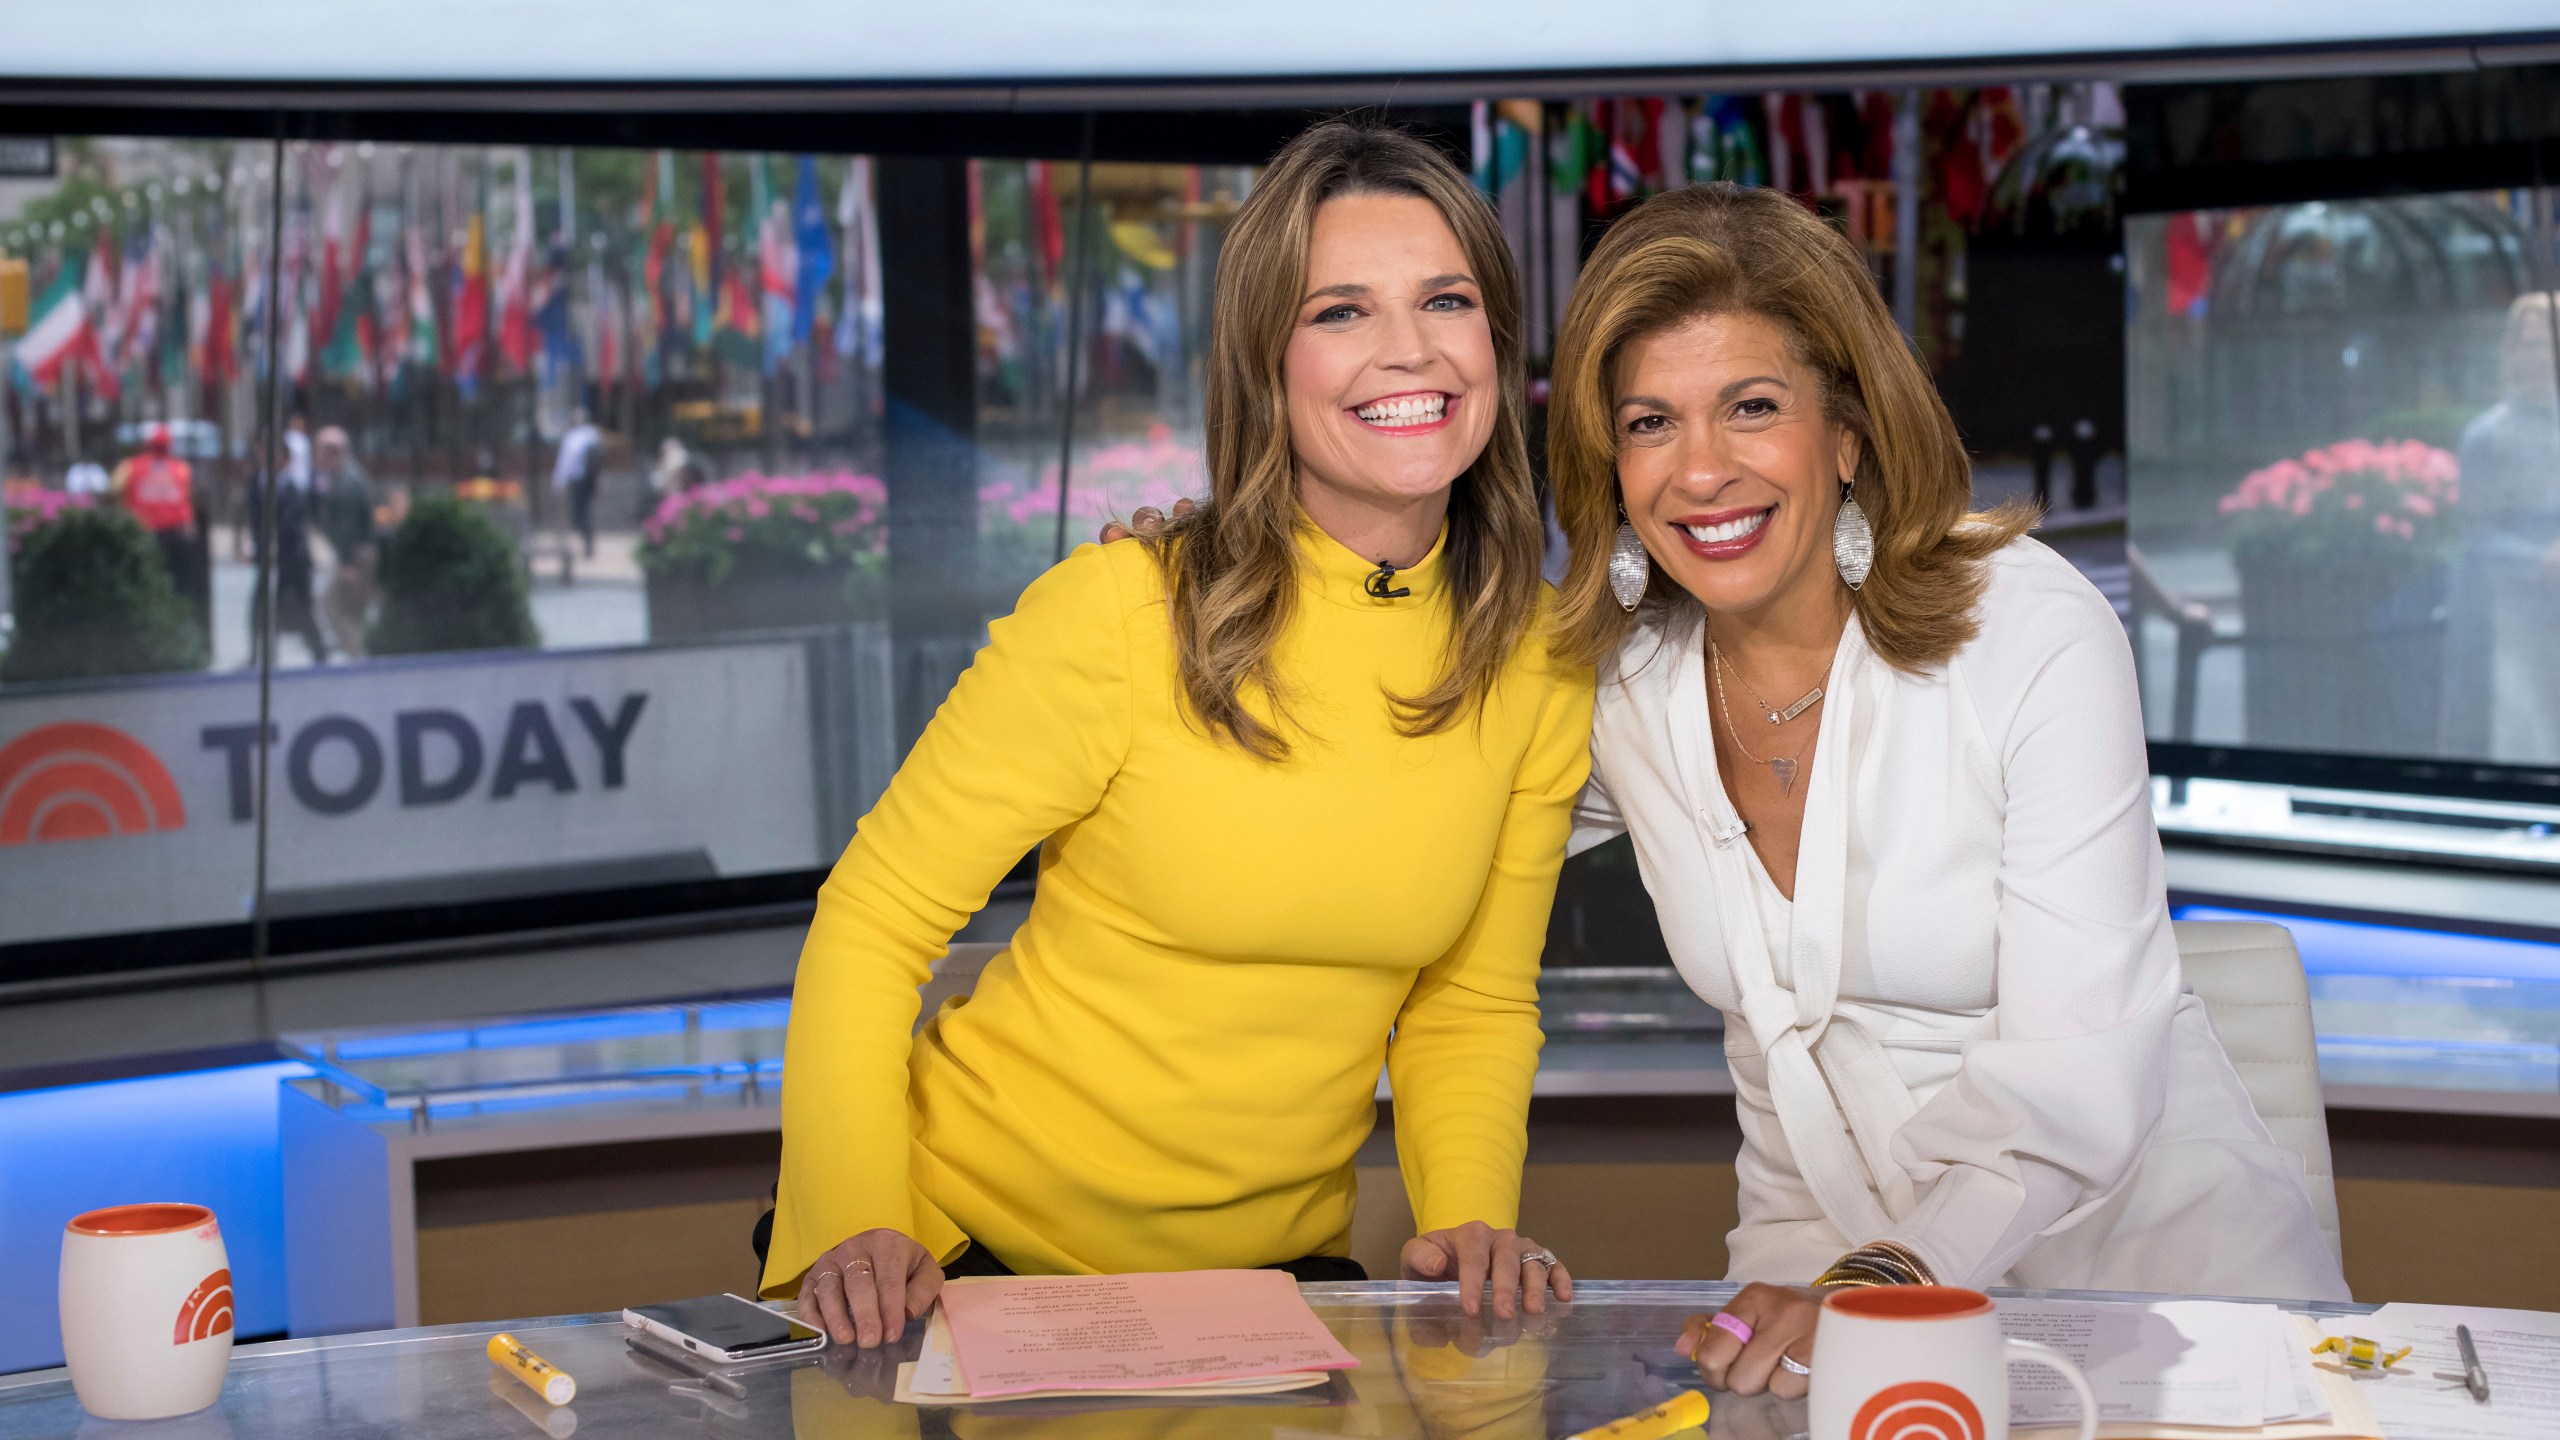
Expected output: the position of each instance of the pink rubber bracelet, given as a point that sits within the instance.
(1738, 1329)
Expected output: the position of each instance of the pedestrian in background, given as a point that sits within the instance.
(343, 505)
(159, 488)
(297, 472)
(576, 471)
(297, 451)
(2501, 701)
(293, 568)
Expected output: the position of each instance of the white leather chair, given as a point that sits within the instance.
(2250, 979)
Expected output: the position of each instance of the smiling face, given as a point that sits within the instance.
(1390, 365)
(1726, 464)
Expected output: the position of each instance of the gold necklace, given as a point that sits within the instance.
(1782, 767)
(1776, 716)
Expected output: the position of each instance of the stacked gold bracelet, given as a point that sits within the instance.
(1883, 1262)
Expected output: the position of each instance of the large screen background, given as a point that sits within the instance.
(2343, 445)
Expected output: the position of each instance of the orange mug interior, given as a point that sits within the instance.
(155, 1218)
(1909, 1302)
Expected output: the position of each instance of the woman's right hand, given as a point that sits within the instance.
(864, 1291)
(1781, 1319)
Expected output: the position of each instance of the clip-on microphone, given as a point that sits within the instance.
(1380, 579)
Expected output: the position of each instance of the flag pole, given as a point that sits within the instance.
(1075, 328)
(272, 425)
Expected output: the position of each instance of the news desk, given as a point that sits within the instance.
(1426, 1372)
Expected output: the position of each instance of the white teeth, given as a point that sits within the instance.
(1404, 410)
(1729, 530)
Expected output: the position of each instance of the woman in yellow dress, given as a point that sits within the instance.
(1301, 772)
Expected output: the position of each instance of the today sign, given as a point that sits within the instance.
(133, 807)
(440, 753)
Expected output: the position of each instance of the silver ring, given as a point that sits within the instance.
(865, 1264)
(1794, 1366)
(1539, 1257)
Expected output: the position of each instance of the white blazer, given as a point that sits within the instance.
(1968, 1031)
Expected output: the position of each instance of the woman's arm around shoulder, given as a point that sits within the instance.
(1026, 743)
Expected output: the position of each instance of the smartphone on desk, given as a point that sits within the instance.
(725, 1328)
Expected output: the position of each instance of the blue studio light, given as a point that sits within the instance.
(208, 1137)
(2347, 947)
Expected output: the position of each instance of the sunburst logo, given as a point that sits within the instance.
(79, 781)
(207, 1312)
(1919, 1410)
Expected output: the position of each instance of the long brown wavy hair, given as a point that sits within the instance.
(1720, 249)
(1231, 566)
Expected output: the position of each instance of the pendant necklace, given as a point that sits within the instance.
(1776, 716)
(1782, 767)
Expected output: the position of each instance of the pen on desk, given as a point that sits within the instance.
(2473, 1377)
(1681, 1412)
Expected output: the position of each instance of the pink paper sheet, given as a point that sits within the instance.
(1116, 1332)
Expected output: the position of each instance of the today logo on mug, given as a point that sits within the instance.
(1921, 1362)
(146, 1310)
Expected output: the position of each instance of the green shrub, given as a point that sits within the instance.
(451, 581)
(93, 598)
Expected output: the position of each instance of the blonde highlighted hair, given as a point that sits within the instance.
(1231, 566)
(1721, 249)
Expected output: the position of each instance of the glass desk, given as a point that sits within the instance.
(1643, 1020)
(1425, 1372)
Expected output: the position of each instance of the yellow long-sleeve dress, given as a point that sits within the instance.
(1173, 1063)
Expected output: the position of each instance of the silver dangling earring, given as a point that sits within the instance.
(1630, 569)
(1853, 540)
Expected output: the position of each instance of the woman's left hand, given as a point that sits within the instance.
(1780, 1319)
(1521, 1271)
(1146, 522)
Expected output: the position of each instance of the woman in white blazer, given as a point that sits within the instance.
(1883, 764)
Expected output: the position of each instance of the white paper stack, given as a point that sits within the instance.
(2179, 1370)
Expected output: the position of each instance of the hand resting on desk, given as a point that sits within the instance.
(1474, 1252)
(864, 1291)
(1781, 1318)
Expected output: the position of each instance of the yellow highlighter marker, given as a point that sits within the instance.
(1681, 1412)
(548, 1380)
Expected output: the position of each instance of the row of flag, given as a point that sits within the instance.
(372, 296)
(1610, 153)
(125, 309)
(1597, 157)
(1023, 276)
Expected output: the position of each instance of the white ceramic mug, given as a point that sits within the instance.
(146, 1310)
(1921, 1362)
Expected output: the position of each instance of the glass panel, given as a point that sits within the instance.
(597, 522)
(582, 520)
(1132, 348)
(2345, 444)
(127, 416)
